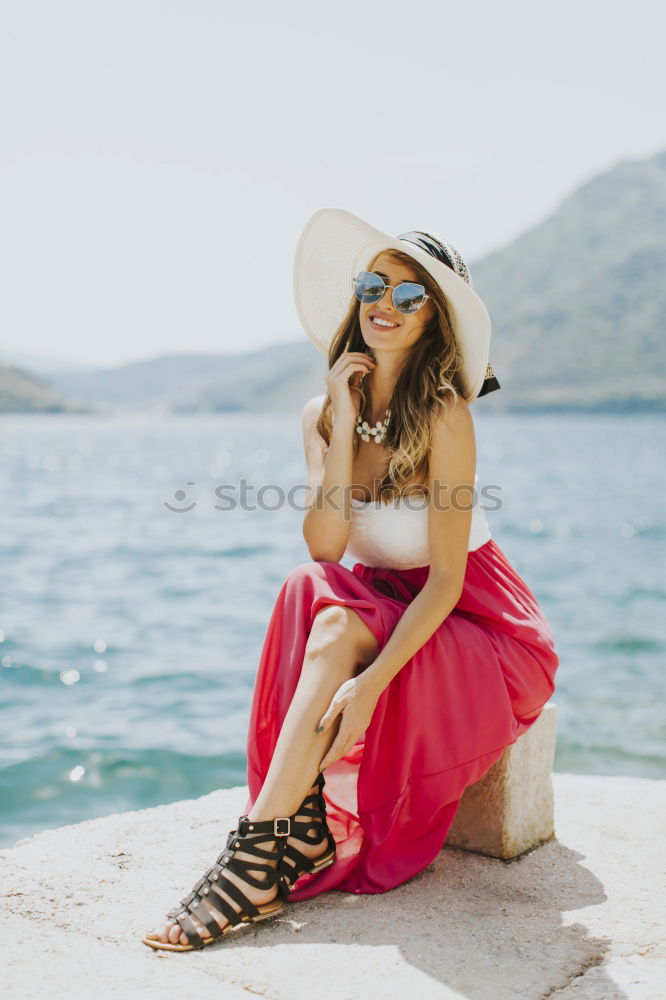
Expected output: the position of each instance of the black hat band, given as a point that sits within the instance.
(447, 254)
(444, 252)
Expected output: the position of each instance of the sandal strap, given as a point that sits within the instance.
(278, 827)
(237, 895)
(248, 844)
(233, 915)
(207, 918)
(187, 925)
(300, 861)
(213, 883)
(309, 828)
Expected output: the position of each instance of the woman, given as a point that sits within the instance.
(406, 677)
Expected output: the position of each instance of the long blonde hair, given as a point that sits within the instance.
(428, 381)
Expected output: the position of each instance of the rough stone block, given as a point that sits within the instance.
(510, 809)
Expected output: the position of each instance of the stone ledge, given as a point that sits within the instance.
(510, 810)
(581, 917)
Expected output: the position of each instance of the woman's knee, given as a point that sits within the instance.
(335, 627)
(341, 630)
(300, 578)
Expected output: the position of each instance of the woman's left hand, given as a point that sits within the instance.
(356, 700)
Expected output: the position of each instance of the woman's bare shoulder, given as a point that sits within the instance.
(313, 408)
(453, 427)
(451, 415)
(310, 416)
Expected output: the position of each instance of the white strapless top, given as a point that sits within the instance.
(395, 535)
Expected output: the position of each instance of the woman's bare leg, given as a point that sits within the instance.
(339, 642)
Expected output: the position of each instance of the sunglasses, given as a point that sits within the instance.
(407, 297)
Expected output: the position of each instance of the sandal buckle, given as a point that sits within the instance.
(281, 831)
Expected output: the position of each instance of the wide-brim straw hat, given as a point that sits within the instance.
(335, 245)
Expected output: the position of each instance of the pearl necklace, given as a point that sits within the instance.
(379, 432)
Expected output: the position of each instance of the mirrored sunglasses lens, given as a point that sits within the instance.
(368, 287)
(408, 297)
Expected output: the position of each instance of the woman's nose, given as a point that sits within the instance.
(387, 298)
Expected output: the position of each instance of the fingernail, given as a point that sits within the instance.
(319, 729)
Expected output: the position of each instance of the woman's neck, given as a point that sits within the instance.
(379, 386)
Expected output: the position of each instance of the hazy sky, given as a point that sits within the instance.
(158, 160)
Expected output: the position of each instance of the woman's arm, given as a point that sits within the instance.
(452, 467)
(326, 524)
(325, 529)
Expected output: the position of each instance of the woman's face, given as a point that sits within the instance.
(407, 327)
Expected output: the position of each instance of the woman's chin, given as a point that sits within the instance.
(373, 338)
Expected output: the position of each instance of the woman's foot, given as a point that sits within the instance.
(311, 850)
(171, 932)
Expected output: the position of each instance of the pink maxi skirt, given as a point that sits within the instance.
(480, 681)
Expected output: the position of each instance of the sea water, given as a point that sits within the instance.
(137, 578)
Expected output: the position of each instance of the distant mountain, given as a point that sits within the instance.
(578, 305)
(38, 364)
(273, 379)
(22, 392)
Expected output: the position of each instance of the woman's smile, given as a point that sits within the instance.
(379, 321)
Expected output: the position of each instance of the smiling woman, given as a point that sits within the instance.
(405, 678)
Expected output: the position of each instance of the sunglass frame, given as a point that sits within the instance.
(404, 312)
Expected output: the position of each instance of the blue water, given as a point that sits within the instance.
(131, 632)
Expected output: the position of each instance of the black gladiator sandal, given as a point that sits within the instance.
(294, 862)
(246, 838)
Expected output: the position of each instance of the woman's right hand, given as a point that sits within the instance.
(343, 384)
